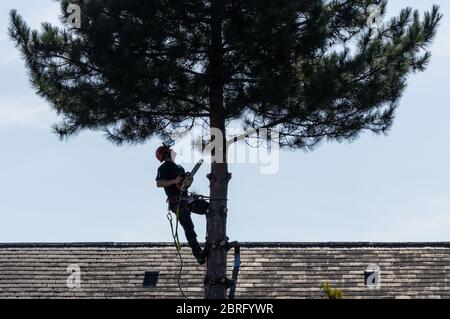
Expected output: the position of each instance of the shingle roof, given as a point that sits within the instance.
(268, 270)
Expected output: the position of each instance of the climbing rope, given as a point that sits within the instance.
(176, 240)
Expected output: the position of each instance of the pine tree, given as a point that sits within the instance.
(313, 70)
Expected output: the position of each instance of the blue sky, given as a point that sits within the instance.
(393, 188)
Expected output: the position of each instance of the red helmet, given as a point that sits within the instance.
(163, 152)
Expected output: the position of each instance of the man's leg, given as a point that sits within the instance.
(191, 236)
(200, 207)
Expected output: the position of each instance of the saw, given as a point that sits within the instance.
(189, 178)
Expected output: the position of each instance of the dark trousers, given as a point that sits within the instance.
(198, 206)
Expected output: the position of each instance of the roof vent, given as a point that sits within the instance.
(372, 276)
(151, 279)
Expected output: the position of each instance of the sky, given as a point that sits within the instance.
(379, 188)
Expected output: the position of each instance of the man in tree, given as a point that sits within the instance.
(170, 177)
(312, 70)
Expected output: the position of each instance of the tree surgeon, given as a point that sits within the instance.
(171, 177)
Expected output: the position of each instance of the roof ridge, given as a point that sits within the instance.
(243, 244)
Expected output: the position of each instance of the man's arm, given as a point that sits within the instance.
(166, 183)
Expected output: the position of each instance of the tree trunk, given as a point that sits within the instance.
(219, 177)
(216, 232)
